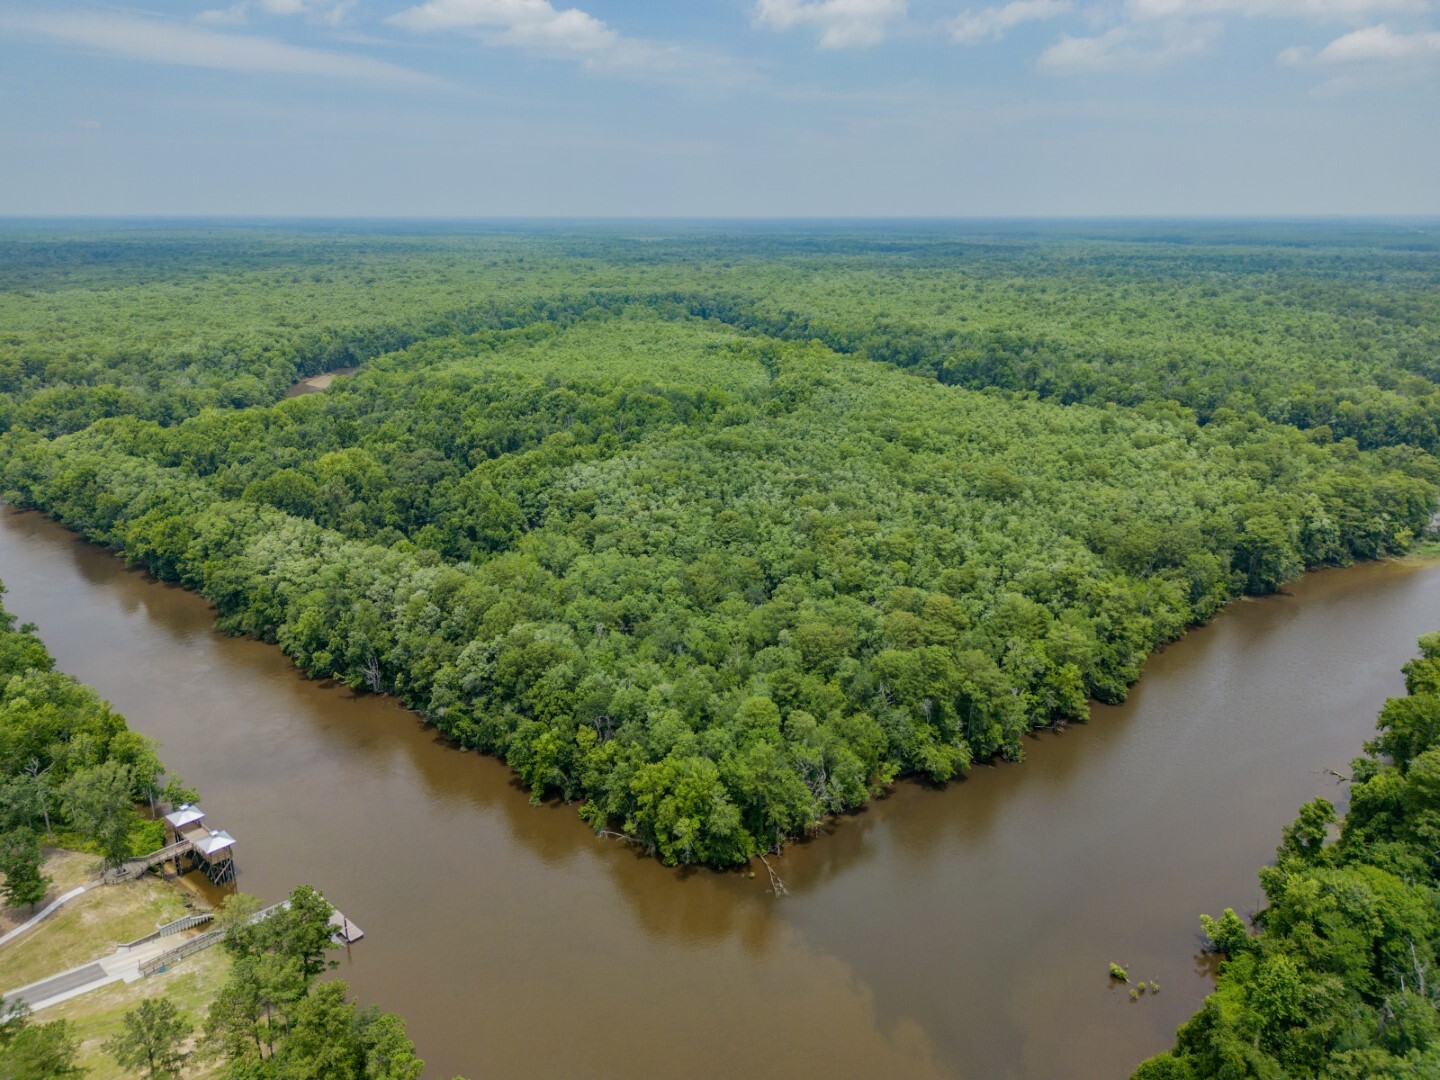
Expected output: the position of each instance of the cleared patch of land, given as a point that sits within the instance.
(66, 870)
(191, 984)
(89, 928)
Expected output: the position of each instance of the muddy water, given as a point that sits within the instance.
(962, 932)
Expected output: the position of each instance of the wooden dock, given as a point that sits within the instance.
(346, 932)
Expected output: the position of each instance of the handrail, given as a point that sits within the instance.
(160, 963)
(183, 923)
(144, 862)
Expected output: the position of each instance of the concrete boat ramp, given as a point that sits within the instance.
(150, 955)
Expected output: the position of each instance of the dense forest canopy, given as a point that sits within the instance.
(719, 529)
(70, 767)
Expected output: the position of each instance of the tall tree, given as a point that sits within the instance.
(20, 861)
(99, 802)
(36, 1051)
(151, 1039)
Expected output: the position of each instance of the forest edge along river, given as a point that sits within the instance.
(962, 931)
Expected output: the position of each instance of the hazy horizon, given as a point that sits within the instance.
(732, 109)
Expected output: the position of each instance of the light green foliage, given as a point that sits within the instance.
(1118, 972)
(1227, 934)
(1341, 980)
(151, 1038)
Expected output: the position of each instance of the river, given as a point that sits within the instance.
(959, 932)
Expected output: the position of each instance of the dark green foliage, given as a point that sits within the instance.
(66, 759)
(273, 1019)
(670, 523)
(300, 930)
(1342, 980)
(30, 1051)
(20, 863)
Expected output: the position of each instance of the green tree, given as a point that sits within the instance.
(389, 1053)
(1304, 838)
(1227, 934)
(151, 1038)
(237, 920)
(31, 1051)
(20, 862)
(302, 930)
(252, 1011)
(99, 802)
(323, 1042)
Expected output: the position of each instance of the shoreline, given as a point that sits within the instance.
(1427, 554)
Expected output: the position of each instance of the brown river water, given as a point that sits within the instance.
(957, 932)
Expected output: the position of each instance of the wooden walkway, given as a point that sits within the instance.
(136, 867)
(346, 932)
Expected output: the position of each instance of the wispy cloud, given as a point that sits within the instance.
(842, 24)
(325, 12)
(538, 26)
(161, 42)
(234, 15)
(535, 24)
(1148, 35)
(993, 23)
(1372, 45)
(1311, 10)
(1129, 48)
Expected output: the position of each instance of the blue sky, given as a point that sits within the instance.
(720, 107)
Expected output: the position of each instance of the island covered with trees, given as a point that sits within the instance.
(719, 531)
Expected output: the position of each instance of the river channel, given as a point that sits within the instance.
(959, 932)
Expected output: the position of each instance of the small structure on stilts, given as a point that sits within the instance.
(209, 850)
(188, 841)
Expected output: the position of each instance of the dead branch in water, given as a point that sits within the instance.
(1338, 776)
(618, 836)
(777, 884)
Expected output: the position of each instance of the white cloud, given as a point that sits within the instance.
(1129, 48)
(328, 12)
(538, 26)
(1314, 10)
(155, 41)
(991, 24)
(533, 24)
(842, 23)
(1373, 45)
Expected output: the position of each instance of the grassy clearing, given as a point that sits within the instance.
(1427, 549)
(192, 985)
(88, 928)
(65, 869)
